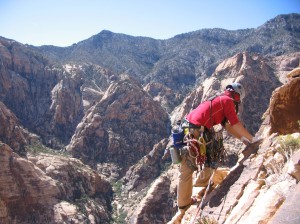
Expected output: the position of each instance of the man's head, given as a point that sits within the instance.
(238, 88)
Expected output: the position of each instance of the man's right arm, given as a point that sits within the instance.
(242, 133)
(235, 127)
(231, 131)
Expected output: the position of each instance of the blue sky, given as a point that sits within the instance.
(64, 22)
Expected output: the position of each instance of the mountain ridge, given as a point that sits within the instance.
(186, 59)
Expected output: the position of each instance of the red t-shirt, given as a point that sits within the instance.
(222, 107)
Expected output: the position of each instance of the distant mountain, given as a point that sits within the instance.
(184, 60)
(141, 55)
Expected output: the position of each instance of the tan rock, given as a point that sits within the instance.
(153, 201)
(290, 210)
(23, 186)
(64, 211)
(37, 189)
(11, 131)
(285, 101)
(266, 204)
(244, 203)
(126, 123)
(3, 210)
(66, 170)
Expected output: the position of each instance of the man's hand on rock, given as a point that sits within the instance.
(245, 140)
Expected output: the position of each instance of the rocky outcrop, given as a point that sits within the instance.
(294, 164)
(285, 108)
(25, 191)
(95, 81)
(49, 100)
(284, 215)
(139, 179)
(66, 108)
(159, 195)
(284, 64)
(74, 184)
(26, 83)
(126, 123)
(164, 95)
(145, 171)
(11, 132)
(51, 189)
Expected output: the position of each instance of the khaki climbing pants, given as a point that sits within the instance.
(186, 183)
(203, 176)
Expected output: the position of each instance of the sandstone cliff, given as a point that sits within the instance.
(49, 100)
(125, 123)
(27, 80)
(11, 132)
(50, 189)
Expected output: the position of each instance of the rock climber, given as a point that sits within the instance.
(222, 109)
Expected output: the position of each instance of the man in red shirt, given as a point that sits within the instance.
(210, 113)
(220, 110)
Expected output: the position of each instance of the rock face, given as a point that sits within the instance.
(27, 80)
(284, 215)
(143, 178)
(11, 132)
(49, 100)
(25, 189)
(285, 108)
(50, 189)
(157, 196)
(284, 64)
(126, 123)
(294, 164)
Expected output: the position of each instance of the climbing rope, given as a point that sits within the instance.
(196, 148)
